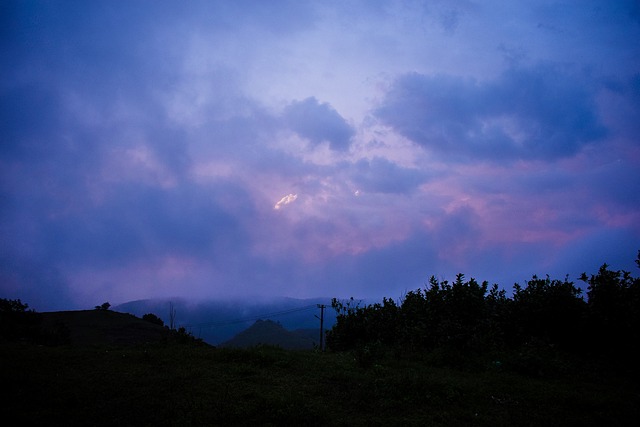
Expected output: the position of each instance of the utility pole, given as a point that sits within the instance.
(172, 316)
(321, 307)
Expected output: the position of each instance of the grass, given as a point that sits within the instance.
(169, 384)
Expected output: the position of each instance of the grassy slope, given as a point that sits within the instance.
(170, 384)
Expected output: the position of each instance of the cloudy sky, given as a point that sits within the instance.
(313, 148)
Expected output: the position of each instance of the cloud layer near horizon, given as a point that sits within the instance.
(313, 148)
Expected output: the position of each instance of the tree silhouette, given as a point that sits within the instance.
(614, 311)
(105, 306)
(551, 311)
(17, 322)
(466, 317)
(150, 317)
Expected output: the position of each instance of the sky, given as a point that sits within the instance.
(214, 149)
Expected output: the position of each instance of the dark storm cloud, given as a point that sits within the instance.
(92, 44)
(319, 122)
(134, 224)
(100, 127)
(540, 112)
(616, 183)
(379, 175)
(137, 222)
(82, 77)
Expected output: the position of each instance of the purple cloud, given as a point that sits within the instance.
(319, 122)
(143, 150)
(527, 113)
(380, 175)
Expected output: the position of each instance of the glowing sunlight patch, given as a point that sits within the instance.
(285, 201)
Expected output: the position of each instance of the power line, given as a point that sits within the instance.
(321, 307)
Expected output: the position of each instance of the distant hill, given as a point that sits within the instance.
(217, 321)
(90, 327)
(273, 333)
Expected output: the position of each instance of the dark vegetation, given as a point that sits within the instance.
(150, 317)
(460, 353)
(470, 325)
(103, 306)
(84, 327)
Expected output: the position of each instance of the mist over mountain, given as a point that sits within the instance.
(217, 321)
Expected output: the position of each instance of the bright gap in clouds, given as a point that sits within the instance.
(290, 198)
(313, 148)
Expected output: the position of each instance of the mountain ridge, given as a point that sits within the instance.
(217, 321)
(268, 332)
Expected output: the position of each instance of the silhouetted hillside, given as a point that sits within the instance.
(88, 327)
(272, 333)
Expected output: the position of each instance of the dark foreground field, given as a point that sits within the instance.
(174, 384)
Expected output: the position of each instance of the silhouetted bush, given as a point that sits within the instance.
(465, 321)
(182, 336)
(17, 322)
(150, 317)
(613, 322)
(464, 316)
(550, 311)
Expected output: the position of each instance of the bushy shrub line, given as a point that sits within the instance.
(469, 318)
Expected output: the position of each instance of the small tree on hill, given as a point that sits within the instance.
(104, 306)
(12, 306)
